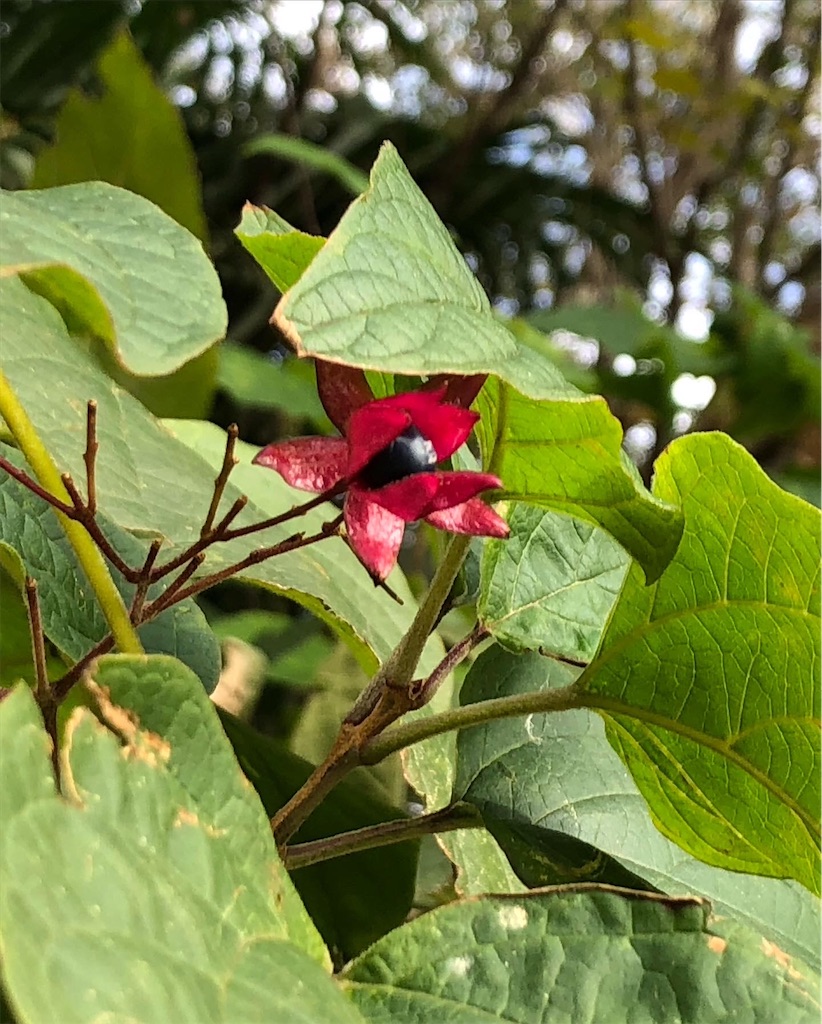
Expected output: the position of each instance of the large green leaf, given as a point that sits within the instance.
(391, 292)
(567, 456)
(708, 680)
(551, 585)
(565, 808)
(150, 482)
(575, 955)
(72, 619)
(116, 267)
(353, 900)
(160, 895)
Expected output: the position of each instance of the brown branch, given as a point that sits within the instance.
(423, 690)
(90, 457)
(23, 478)
(38, 648)
(143, 583)
(449, 819)
(230, 460)
(298, 540)
(63, 685)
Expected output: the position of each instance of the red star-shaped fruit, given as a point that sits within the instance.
(386, 462)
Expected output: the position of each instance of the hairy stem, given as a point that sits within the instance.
(543, 701)
(89, 557)
(385, 834)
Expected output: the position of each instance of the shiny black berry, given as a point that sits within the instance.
(410, 453)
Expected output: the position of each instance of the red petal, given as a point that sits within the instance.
(342, 390)
(370, 429)
(445, 426)
(308, 463)
(473, 517)
(374, 533)
(459, 390)
(416, 496)
(410, 498)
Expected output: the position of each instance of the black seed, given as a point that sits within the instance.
(410, 453)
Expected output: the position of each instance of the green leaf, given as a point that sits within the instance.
(132, 136)
(160, 895)
(578, 954)
(287, 386)
(707, 680)
(152, 483)
(551, 585)
(72, 618)
(353, 900)
(116, 267)
(565, 808)
(568, 456)
(283, 252)
(312, 156)
(616, 329)
(390, 291)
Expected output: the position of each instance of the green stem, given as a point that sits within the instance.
(403, 662)
(89, 557)
(385, 834)
(562, 699)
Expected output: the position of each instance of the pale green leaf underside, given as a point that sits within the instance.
(118, 267)
(708, 679)
(583, 956)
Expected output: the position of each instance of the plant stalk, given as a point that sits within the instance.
(385, 834)
(543, 701)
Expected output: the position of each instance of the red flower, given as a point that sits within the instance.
(386, 462)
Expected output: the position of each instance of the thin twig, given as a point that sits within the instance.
(38, 647)
(88, 520)
(298, 540)
(230, 460)
(136, 609)
(63, 685)
(23, 478)
(449, 819)
(292, 513)
(169, 595)
(90, 457)
(423, 690)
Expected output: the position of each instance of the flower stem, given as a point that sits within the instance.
(387, 697)
(543, 701)
(399, 668)
(87, 553)
(385, 834)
